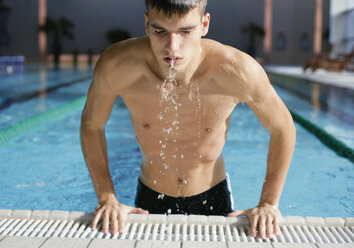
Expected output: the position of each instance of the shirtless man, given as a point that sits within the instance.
(181, 120)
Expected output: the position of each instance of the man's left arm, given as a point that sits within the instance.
(275, 117)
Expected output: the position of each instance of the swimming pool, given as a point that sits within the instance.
(44, 168)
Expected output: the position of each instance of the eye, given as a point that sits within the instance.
(186, 32)
(159, 31)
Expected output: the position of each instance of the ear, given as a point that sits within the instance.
(146, 17)
(205, 23)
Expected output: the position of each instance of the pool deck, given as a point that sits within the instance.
(341, 79)
(23, 228)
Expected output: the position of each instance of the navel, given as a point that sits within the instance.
(208, 129)
(180, 180)
(147, 126)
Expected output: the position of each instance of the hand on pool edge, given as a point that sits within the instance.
(112, 210)
(266, 217)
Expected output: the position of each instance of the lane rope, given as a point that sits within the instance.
(28, 124)
(23, 126)
(327, 139)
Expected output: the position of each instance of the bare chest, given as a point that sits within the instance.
(178, 110)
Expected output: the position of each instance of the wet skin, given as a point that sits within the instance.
(211, 79)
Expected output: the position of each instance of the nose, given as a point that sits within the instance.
(173, 42)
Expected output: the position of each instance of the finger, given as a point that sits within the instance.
(95, 220)
(238, 213)
(121, 222)
(105, 222)
(269, 225)
(276, 227)
(114, 222)
(97, 208)
(254, 222)
(261, 226)
(138, 211)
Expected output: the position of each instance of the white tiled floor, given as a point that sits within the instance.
(7, 241)
(343, 79)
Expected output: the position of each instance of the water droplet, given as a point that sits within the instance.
(169, 211)
(185, 181)
(150, 161)
(163, 145)
(200, 156)
(204, 202)
(160, 196)
(182, 156)
(174, 156)
(165, 165)
(168, 131)
(174, 123)
(155, 181)
(211, 207)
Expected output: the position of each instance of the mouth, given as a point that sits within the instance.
(168, 60)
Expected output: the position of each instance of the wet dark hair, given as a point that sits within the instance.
(179, 7)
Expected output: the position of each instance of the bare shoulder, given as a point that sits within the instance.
(120, 64)
(236, 71)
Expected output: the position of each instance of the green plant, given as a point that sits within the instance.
(117, 34)
(60, 28)
(253, 30)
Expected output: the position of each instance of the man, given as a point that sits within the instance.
(180, 90)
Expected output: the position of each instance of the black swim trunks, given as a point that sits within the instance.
(215, 201)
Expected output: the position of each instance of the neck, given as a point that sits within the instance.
(186, 74)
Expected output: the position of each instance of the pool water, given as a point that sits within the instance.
(44, 168)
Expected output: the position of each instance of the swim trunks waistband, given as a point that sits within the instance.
(215, 201)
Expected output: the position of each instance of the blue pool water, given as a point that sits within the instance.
(44, 168)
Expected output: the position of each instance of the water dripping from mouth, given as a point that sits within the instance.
(169, 101)
(199, 109)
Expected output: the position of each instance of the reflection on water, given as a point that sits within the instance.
(335, 101)
(42, 88)
(315, 101)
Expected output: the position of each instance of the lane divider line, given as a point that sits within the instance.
(30, 95)
(327, 139)
(23, 126)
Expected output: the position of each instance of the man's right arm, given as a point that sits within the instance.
(99, 104)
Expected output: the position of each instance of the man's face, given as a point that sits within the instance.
(175, 37)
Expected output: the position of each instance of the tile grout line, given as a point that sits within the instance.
(43, 242)
(89, 243)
